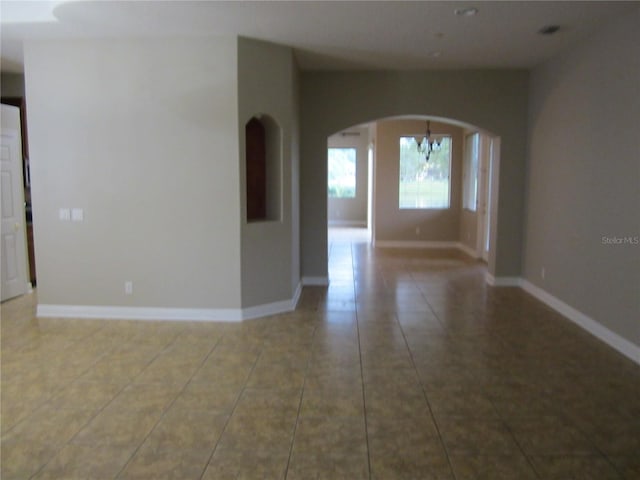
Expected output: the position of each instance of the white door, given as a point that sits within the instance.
(13, 251)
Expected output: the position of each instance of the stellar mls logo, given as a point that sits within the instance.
(615, 241)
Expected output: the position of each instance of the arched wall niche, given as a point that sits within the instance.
(263, 163)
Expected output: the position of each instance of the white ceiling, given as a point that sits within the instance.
(328, 34)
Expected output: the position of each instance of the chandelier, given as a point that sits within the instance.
(427, 144)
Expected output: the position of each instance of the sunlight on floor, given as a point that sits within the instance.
(408, 366)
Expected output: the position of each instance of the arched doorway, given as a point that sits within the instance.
(495, 100)
(441, 202)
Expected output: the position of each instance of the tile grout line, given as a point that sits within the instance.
(103, 407)
(504, 423)
(426, 398)
(501, 346)
(295, 427)
(166, 409)
(364, 400)
(48, 400)
(431, 309)
(515, 439)
(600, 451)
(235, 404)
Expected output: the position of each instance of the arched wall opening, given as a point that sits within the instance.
(495, 100)
(443, 201)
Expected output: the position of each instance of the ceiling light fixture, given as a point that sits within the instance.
(427, 144)
(466, 12)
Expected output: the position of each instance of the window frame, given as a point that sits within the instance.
(355, 173)
(438, 137)
(471, 173)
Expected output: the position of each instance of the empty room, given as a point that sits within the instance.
(320, 240)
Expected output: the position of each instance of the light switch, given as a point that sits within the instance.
(64, 214)
(77, 215)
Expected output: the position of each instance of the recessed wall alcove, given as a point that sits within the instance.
(263, 161)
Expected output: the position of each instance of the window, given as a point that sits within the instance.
(424, 184)
(470, 172)
(342, 173)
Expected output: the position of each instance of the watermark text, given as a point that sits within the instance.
(616, 241)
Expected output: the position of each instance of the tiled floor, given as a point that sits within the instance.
(408, 366)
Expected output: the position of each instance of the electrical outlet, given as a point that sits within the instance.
(128, 287)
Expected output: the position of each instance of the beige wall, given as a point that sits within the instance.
(584, 177)
(270, 250)
(295, 177)
(494, 100)
(395, 224)
(352, 211)
(143, 135)
(468, 228)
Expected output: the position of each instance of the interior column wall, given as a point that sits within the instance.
(267, 86)
(142, 135)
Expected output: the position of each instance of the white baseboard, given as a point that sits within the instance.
(347, 223)
(315, 281)
(415, 244)
(296, 296)
(140, 313)
(468, 250)
(173, 314)
(268, 309)
(502, 281)
(595, 328)
(426, 244)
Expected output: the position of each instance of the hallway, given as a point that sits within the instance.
(408, 366)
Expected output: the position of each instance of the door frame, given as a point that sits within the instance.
(11, 131)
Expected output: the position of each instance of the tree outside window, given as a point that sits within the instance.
(342, 173)
(424, 185)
